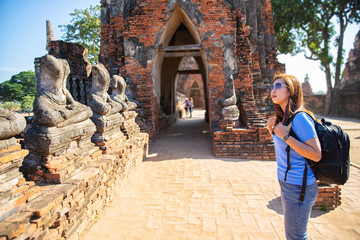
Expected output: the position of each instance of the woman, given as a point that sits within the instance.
(287, 97)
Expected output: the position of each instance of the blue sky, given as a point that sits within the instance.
(23, 30)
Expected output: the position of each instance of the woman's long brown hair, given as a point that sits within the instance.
(296, 100)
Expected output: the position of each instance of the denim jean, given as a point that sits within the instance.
(296, 213)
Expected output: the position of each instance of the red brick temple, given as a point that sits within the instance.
(147, 42)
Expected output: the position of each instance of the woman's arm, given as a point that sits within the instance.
(310, 149)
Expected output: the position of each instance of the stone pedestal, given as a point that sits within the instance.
(57, 153)
(107, 127)
(130, 127)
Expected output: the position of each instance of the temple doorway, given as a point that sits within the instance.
(180, 42)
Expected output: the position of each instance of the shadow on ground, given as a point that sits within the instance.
(275, 204)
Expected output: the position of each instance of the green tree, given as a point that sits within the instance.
(27, 102)
(19, 86)
(307, 26)
(12, 106)
(85, 30)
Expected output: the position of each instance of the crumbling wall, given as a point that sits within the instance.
(65, 210)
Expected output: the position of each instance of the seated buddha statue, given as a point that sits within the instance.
(118, 85)
(228, 109)
(54, 105)
(106, 114)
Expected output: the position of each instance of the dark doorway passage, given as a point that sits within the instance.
(179, 41)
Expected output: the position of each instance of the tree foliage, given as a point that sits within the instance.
(308, 26)
(85, 30)
(19, 86)
(27, 102)
(12, 106)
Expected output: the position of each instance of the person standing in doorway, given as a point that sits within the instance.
(287, 97)
(186, 107)
(191, 106)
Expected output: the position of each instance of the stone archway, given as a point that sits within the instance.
(179, 39)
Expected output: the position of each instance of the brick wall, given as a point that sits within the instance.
(329, 197)
(65, 210)
(253, 143)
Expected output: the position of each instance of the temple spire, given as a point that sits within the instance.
(49, 34)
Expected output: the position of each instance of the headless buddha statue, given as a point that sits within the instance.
(118, 93)
(11, 123)
(228, 109)
(106, 115)
(54, 105)
(99, 100)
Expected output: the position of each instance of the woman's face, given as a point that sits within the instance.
(280, 92)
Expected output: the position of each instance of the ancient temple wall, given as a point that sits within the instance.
(214, 24)
(235, 40)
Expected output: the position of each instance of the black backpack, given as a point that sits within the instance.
(334, 166)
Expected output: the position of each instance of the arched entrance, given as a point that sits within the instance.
(179, 39)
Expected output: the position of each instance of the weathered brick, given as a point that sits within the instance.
(7, 157)
(44, 204)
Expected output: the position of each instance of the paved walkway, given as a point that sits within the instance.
(182, 192)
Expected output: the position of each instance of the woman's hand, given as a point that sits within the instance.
(270, 124)
(281, 130)
(310, 149)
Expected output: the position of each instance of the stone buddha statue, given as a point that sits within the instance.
(106, 114)
(61, 124)
(59, 119)
(228, 109)
(118, 85)
(54, 105)
(11, 123)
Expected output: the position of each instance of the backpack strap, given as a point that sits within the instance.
(288, 161)
(288, 147)
(303, 186)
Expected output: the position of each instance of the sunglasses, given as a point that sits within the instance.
(277, 86)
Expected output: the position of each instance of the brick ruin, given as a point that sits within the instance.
(147, 42)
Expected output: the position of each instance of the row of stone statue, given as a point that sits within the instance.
(54, 105)
(58, 116)
(64, 127)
